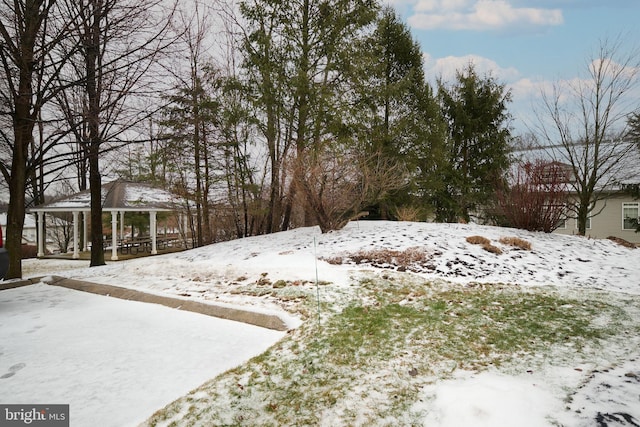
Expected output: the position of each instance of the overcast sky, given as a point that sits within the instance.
(525, 43)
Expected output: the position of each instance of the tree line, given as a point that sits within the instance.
(279, 114)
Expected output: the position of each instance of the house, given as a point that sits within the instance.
(55, 228)
(614, 216)
(28, 231)
(617, 211)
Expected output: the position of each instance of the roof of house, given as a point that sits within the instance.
(117, 195)
(613, 176)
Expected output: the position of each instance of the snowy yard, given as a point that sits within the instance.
(114, 362)
(589, 378)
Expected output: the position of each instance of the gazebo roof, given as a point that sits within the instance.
(117, 196)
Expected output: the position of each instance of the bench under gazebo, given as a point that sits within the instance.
(118, 197)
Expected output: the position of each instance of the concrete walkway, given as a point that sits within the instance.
(269, 321)
(115, 362)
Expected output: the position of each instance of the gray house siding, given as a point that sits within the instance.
(609, 222)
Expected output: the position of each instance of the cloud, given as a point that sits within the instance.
(577, 4)
(480, 15)
(442, 5)
(446, 67)
(526, 92)
(610, 69)
(527, 88)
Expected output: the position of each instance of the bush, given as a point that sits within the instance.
(622, 242)
(485, 243)
(516, 242)
(478, 240)
(536, 199)
(493, 249)
(409, 213)
(411, 259)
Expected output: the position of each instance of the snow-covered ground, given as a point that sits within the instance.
(554, 259)
(219, 273)
(114, 362)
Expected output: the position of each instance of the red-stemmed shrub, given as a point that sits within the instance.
(536, 197)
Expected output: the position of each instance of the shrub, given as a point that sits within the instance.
(516, 242)
(392, 257)
(280, 284)
(408, 213)
(478, 240)
(493, 249)
(337, 260)
(622, 242)
(338, 183)
(536, 199)
(412, 259)
(485, 243)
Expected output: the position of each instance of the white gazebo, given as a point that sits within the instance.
(118, 197)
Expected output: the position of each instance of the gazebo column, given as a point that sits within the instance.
(154, 232)
(40, 234)
(121, 225)
(114, 237)
(76, 253)
(85, 233)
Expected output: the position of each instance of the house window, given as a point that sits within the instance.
(562, 224)
(630, 215)
(553, 210)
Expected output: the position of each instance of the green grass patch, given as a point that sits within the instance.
(367, 361)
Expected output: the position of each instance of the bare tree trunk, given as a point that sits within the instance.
(17, 184)
(95, 189)
(92, 40)
(23, 134)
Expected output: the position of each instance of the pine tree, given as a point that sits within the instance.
(475, 111)
(297, 55)
(399, 115)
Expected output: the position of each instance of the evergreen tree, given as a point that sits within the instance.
(192, 119)
(297, 57)
(401, 118)
(264, 62)
(243, 182)
(633, 123)
(475, 111)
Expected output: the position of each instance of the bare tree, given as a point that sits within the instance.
(120, 43)
(31, 33)
(60, 230)
(337, 183)
(584, 124)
